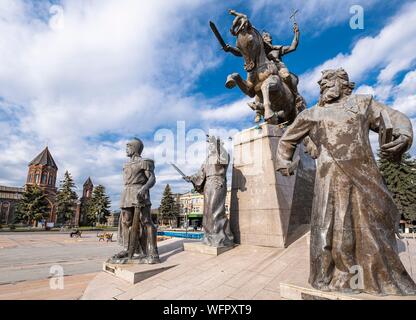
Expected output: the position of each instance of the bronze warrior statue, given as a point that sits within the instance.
(211, 181)
(276, 53)
(268, 79)
(137, 233)
(354, 219)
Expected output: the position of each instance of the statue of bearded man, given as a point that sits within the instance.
(354, 219)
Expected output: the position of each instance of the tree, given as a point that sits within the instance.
(169, 209)
(401, 181)
(66, 199)
(99, 206)
(33, 207)
(87, 212)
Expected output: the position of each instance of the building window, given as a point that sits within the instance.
(37, 178)
(50, 180)
(44, 178)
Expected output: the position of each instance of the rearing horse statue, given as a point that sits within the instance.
(275, 98)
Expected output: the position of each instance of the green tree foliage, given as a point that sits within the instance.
(33, 207)
(98, 209)
(169, 209)
(401, 181)
(87, 212)
(66, 199)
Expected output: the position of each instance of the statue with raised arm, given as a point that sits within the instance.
(137, 233)
(276, 53)
(211, 181)
(268, 79)
(353, 246)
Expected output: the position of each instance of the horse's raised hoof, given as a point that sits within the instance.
(273, 119)
(268, 115)
(230, 83)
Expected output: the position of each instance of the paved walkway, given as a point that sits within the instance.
(246, 272)
(73, 288)
(26, 260)
(29, 256)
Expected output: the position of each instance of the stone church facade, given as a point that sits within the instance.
(9, 197)
(42, 172)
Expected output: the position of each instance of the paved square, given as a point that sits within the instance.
(26, 259)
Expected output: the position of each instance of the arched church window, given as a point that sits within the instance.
(37, 178)
(44, 178)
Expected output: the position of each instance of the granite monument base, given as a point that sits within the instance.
(134, 273)
(268, 209)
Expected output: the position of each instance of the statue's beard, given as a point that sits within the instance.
(330, 95)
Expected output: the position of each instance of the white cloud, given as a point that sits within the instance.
(405, 95)
(111, 70)
(365, 89)
(391, 50)
(231, 112)
(403, 98)
(318, 14)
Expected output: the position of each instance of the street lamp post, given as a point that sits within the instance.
(186, 222)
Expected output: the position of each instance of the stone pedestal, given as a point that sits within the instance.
(199, 247)
(268, 209)
(295, 292)
(134, 273)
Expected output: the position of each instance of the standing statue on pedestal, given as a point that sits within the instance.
(354, 219)
(211, 181)
(136, 231)
(268, 79)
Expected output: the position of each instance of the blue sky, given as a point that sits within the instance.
(84, 76)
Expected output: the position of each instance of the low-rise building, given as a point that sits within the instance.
(113, 219)
(191, 207)
(9, 197)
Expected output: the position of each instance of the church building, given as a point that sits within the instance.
(43, 172)
(80, 213)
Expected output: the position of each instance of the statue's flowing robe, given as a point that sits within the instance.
(354, 218)
(211, 181)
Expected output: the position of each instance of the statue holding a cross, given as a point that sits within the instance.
(276, 53)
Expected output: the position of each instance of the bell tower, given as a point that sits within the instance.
(80, 214)
(87, 189)
(42, 172)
